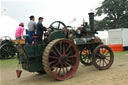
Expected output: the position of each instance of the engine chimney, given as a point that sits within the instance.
(91, 21)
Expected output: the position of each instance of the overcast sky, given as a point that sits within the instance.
(51, 10)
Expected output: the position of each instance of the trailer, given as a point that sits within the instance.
(118, 36)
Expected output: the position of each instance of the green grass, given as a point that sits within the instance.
(118, 54)
(8, 63)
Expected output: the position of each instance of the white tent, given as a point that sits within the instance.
(118, 36)
(103, 35)
(7, 26)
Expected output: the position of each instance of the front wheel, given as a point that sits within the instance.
(86, 57)
(103, 57)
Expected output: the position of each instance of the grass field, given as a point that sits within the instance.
(117, 54)
(8, 63)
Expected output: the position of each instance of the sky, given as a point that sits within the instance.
(51, 10)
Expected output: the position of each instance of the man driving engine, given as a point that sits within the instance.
(40, 28)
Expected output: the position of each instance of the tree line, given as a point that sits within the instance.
(115, 12)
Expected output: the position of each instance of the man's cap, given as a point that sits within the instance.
(21, 24)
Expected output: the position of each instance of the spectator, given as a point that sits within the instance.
(19, 31)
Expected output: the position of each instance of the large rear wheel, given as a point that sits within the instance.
(61, 59)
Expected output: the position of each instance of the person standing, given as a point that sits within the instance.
(31, 28)
(40, 28)
(19, 31)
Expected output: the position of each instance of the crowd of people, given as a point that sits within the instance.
(33, 29)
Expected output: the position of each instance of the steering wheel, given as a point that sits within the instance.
(5, 38)
(57, 25)
(69, 27)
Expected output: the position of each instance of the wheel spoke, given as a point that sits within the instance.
(100, 62)
(66, 67)
(63, 69)
(53, 57)
(67, 64)
(107, 59)
(53, 62)
(68, 48)
(83, 57)
(70, 61)
(98, 55)
(106, 53)
(86, 56)
(58, 25)
(108, 56)
(56, 68)
(57, 51)
(63, 49)
(69, 52)
(105, 62)
(88, 60)
(73, 56)
(54, 52)
(60, 47)
(4, 49)
(59, 71)
(55, 65)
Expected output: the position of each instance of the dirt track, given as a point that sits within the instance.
(86, 75)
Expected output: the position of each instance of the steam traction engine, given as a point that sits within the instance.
(62, 49)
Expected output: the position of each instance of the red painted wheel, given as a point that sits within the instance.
(61, 59)
(103, 57)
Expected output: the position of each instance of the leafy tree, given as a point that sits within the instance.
(116, 12)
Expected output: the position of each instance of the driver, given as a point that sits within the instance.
(40, 28)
